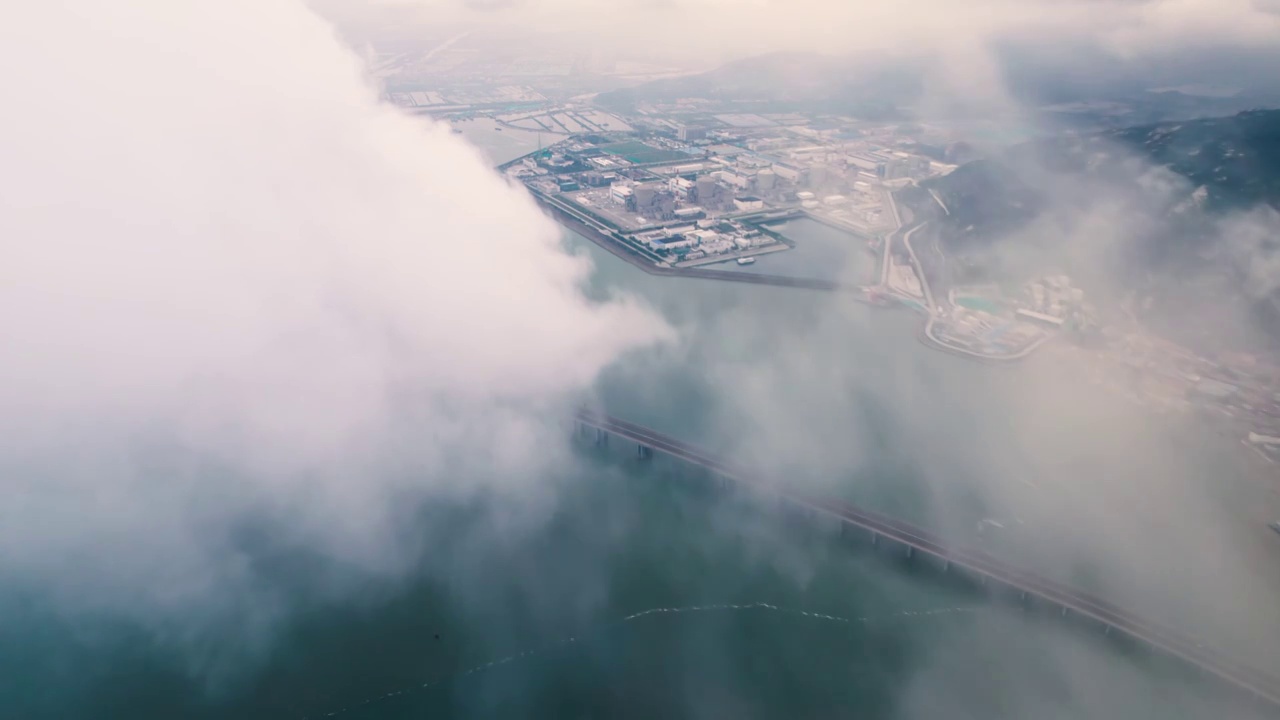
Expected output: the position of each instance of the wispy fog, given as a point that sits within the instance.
(239, 295)
(238, 292)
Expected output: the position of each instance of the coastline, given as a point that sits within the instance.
(624, 253)
(858, 293)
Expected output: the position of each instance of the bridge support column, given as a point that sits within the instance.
(1022, 596)
(602, 438)
(1064, 611)
(643, 452)
(946, 566)
(910, 551)
(1106, 630)
(875, 538)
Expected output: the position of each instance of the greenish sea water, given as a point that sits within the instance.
(492, 639)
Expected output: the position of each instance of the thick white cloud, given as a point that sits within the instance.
(235, 285)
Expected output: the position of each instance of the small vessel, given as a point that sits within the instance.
(457, 130)
(746, 261)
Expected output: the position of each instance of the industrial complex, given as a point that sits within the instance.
(693, 185)
(677, 196)
(691, 196)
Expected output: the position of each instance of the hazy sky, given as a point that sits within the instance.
(721, 29)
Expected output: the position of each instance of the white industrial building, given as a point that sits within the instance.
(734, 179)
(620, 193)
(788, 172)
(1041, 318)
(682, 187)
(672, 243)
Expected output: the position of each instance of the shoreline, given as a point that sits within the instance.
(613, 247)
(856, 292)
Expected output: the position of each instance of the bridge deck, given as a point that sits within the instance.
(1253, 681)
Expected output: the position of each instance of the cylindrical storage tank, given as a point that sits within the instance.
(644, 195)
(706, 187)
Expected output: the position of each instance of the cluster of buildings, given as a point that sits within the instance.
(445, 98)
(1239, 393)
(986, 333)
(983, 321)
(651, 185)
(1053, 302)
(687, 245)
(1242, 388)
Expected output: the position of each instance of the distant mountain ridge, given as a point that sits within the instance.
(784, 82)
(1226, 163)
(1237, 158)
(1061, 86)
(1186, 214)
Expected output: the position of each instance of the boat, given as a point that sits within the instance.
(746, 260)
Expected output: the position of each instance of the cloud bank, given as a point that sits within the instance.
(236, 289)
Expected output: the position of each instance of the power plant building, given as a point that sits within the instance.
(705, 187)
(739, 181)
(788, 172)
(682, 187)
(688, 133)
(644, 195)
(620, 193)
(1040, 318)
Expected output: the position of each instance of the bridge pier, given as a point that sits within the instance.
(875, 538)
(910, 552)
(602, 438)
(644, 452)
